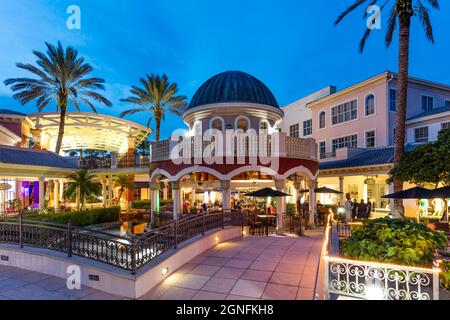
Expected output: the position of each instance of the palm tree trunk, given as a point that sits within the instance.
(157, 129)
(120, 197)
(403, 70)
(77, 198)
(62, 123)
(84, 202)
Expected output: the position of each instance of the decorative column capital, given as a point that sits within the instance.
(175, 185)
(154, 186)
(312, 184)
(225, 184)
(280, 184)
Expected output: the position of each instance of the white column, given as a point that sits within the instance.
(104, 194)
(61, 190)
(226, 194)
(280, 185)
(110, 191)
(176, 199)
(165, 192)
(55, 194)
(341, 189)
(154, 199)
(391, 201)
(312, 202)
(41, 193)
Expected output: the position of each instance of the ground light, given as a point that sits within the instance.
(374, 288)
(165, 271)
(217, 239)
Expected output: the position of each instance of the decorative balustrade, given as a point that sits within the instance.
(116, 161)
(278, 144)
(369, 280)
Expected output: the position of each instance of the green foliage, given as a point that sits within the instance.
(83, 181)
(145, 204)
(427, 163)
(444, 277)
(82, 218)
(291, 208)
(394, 241)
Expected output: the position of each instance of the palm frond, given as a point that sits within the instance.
(392, 23)
(348, 10)
(424, 17)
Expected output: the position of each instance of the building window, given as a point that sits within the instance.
(370, 105)
(427, 103)
(137, 194)
(345, 112)
(242, 124)
(447, 103)
(322, 148)
(345, 142)
(294, 131)
(445, 125)
(263, 125)
(307, 127)
(217, 124)
(322, 120)
(421, 134)
(393, 100)
(370, 139)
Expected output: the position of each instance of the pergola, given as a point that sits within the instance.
(84, 130)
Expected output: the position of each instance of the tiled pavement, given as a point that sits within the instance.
(250, 268)
(273, 268)
(18, 284)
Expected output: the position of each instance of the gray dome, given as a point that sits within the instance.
(233, 86)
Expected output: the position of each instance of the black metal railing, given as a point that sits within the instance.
(126, 253)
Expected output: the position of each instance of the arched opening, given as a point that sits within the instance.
(242, 123)
(322, 120)
(370, 105)
(217, 123)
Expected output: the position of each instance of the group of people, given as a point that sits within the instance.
(357, 210)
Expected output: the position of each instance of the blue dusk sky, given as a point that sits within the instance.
(291, 45)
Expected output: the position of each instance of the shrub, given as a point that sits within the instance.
(394, 241)
(291, 209)
(82, 218)
(145, 204)
(444, 277)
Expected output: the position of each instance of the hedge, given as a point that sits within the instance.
(82, 218)
(145, 204)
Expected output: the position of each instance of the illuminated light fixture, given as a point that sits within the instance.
(341, 210)
(374, 288)
(217, 239)
(165, 271)
(244, 233)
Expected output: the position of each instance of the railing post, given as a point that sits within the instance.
(223, 219)
(133, 255)
(20, 231)
(203, 224)
(436, 271)
(175, 231)
(69, 236)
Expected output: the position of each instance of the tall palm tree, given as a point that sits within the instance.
(401, 13)
(143, 148)
(157, 96)
(123, 183)
(61, 76)
(81, 184)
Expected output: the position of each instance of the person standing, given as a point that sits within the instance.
(348, 208)
(354, 208)
(362, 210)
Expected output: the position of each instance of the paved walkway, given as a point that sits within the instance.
(18, 284)
(273, 268)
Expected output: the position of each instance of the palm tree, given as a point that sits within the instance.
(81, 184)
(122, 182)
(402, 11)
(143, 148)
(61, 77)
(156, 97)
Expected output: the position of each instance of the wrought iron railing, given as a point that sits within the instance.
(126, 253)
(118, 161)
(371, 280)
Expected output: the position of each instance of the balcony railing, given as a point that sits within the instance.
(369, 280)
(275, 145)
(115, 161)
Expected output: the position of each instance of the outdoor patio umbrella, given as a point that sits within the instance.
(264, 193)
(413, 193)
(323, 190)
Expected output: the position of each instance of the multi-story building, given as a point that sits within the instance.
(354, 129)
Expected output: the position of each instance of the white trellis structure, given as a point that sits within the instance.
(85, 130)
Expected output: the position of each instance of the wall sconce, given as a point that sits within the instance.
(165, 271)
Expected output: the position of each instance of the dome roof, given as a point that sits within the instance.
(233, 86)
